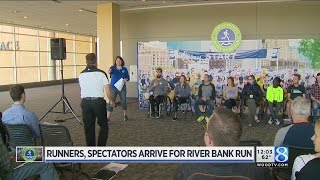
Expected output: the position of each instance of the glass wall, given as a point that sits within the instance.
(25, 55)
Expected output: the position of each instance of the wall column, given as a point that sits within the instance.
(108, 34)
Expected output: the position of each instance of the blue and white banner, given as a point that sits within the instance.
(150, 154)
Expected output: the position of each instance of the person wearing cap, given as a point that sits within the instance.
(159, 88)
(93, 84)
(315, 97)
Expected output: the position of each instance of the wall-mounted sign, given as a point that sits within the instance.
(9, 45)
(226, 37)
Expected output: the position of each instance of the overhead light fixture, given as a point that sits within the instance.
(8, 22)
(42, 27)
(25, 17)
(68, 31)
(80, 10)
(13, 11)
(143, 0)
(67, 24)
(163, 2)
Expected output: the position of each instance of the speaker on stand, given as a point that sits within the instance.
(58, 52)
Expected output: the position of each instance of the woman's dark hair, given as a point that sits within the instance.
(122, 61)
(232, 80)
(185, 80)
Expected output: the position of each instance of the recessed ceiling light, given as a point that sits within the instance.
(80, 10)
(68, 31)
(143, 0)
(13, 11)
(25, 17)
(8, 22)
(42, 27)
(67, 24)
(163, 2)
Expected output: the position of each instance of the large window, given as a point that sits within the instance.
(25, 55)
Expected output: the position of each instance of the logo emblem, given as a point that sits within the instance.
(29, 154)
(226, 37)
(281, 154)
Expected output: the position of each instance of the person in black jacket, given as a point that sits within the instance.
(206, 96)
(251, 95)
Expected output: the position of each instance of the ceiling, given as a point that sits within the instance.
(80, 16)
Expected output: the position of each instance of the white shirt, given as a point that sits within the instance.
(299, 163)
(92, 83)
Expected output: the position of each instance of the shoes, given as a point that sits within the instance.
(270, 121)
(250, 125)
(257, 120)
(277, 122)
(125, 118)
(200, 118)
(174, 119)
(109, 121)
(207, 119)
(256, 117)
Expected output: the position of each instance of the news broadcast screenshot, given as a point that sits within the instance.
(228, 107)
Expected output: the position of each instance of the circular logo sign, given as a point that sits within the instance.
(29, 154)
(226, 37)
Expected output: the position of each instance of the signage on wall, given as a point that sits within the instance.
(9, 45)
(226, 37)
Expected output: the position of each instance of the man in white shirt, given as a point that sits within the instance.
(93, 82)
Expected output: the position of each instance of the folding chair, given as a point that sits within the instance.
(58, 135)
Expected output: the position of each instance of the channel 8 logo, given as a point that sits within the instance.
(281, 154)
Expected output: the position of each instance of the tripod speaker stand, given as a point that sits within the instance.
(63, 99)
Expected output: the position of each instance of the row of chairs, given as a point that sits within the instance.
(51, 135)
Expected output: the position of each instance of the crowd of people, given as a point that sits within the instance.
(223, 125)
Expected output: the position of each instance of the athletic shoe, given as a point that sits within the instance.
(200, 118)
(277, 122)
(250, 125)
(207, 119)
(174, 119)
(256, 117)
(270, 121)
(257, 120)
(125, 118)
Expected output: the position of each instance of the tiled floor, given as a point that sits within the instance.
(138, 131)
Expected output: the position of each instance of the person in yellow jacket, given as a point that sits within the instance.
(274, 97)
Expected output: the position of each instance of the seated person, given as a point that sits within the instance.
(18, 113)
(252, 95)
(230, 94)
(182, 93)
(223, 129)
(275, 98)
(300, 132)
(206, 96)
(7, 171)
(159, 88)
(295, 90)
(303, 160)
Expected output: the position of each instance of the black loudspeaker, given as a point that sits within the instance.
(58, 49)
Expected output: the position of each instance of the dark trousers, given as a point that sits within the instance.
(230, 103)
(155, 102)
(177, 101)
(92, 109)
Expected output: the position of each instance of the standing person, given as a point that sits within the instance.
(118, 71)
(294, 91)
(230, 94)
(182, 93)
(315, 97)
(159, 87)
(274, 97)
(93, 82)
(252, 95)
